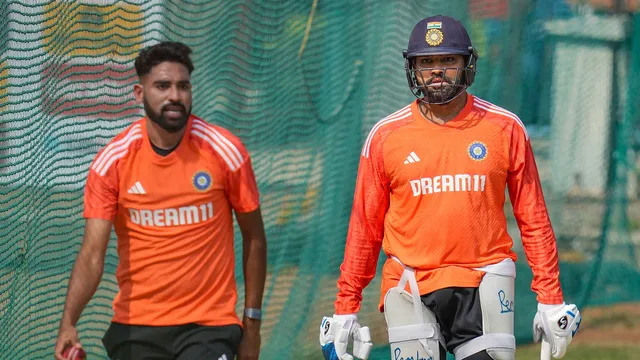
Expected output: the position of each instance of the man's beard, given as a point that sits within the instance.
(170, 124)
(442, 93)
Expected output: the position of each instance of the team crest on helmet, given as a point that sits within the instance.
(202, 180)
(477, 151)
(434, 37)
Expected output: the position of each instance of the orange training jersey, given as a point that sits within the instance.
(433, 197)
(173, 219)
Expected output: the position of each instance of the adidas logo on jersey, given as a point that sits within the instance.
(136, 189)
(412, 158)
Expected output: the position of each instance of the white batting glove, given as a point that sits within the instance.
(335, 333)
(555, 325)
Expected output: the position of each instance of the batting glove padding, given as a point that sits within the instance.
(556, 326)
(335, 333)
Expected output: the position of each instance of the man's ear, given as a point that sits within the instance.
(137, 92)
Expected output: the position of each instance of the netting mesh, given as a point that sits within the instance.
(301, 83)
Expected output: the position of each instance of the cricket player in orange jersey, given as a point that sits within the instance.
(169, 185)
(430, 192)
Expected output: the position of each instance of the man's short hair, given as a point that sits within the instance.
(165, 51)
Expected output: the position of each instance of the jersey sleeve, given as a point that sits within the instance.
(366, 229)
(241, 184)
(531, 214)
(101, 195)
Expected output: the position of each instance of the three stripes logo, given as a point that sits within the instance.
(412, 158)
(136, 189)
(223, 357)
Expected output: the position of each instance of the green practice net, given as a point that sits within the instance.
(301, 82)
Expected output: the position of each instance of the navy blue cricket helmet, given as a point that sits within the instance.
(439, 35)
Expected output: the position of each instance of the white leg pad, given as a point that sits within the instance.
(496, 299)
(409, 336)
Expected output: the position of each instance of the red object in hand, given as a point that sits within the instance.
(74, 353)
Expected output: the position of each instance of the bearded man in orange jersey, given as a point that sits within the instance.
(431, 191)
(169, 185)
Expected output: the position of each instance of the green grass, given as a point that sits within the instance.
(585, 352)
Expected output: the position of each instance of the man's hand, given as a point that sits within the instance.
(67, 336)
(85, 278)
(250, 344)
(555, 325)
(335, 333)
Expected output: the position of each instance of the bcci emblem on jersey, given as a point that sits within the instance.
(477, 151)
(202, 181)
